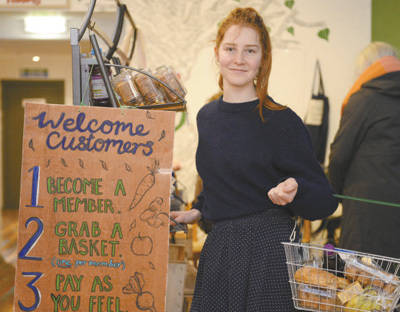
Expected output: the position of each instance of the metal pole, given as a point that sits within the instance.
(86, 20)
(76, 67)
(103, 71)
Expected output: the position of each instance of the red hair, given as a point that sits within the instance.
(250, 18)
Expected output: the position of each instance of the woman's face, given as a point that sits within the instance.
(239, 56)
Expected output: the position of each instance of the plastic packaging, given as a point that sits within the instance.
(148, 89)
(126, 89)
(167, 75)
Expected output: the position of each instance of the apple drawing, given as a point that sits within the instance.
(142, 245)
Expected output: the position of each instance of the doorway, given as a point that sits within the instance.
(13, 93)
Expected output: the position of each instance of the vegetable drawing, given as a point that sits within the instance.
(152, 210)
(142, 245)
(153, 215)
(144, 299)
(145, 184)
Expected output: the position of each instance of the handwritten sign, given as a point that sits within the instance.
(94, 209)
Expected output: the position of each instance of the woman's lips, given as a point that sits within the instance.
(238, 70)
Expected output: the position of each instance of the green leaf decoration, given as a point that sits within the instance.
(324, 34)
(268, 29)
(289, 3)
(290, 30)
(237, 0)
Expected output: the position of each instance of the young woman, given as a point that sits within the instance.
(258, 171)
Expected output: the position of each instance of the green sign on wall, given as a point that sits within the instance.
(386, 21)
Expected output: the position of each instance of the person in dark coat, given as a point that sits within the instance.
(258, 168)
(364, 160)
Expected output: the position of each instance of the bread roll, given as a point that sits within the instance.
(320, 278)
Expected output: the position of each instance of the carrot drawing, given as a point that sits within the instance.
(145, 184)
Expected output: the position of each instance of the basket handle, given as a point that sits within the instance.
(293, 234)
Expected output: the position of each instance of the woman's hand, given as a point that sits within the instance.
(284, 192)
(189, 216)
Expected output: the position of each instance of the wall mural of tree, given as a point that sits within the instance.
(179, 29)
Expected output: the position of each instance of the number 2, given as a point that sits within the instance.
(36, 291)
(32, 241)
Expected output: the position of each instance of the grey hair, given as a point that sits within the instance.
(373, 52)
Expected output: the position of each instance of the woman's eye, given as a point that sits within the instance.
(251, 51)
(229, 49)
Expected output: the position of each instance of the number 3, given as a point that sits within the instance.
(36, 291)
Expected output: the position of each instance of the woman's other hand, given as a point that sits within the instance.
(189, 216)
(284, 192)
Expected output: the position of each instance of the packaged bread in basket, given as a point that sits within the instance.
(367, 273)
(363, 283)
(317, 288)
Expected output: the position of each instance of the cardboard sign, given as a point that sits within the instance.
(94, 209)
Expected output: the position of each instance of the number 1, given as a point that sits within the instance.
(35, 187)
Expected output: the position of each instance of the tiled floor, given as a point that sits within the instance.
(8, 240)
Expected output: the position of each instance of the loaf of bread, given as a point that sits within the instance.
(320, 278)
(316, 299)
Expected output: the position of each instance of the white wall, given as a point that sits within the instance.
(179, 33)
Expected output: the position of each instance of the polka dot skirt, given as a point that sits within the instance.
(243, 266)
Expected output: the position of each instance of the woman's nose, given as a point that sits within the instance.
(239, 58)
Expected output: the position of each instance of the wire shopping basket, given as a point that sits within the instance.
(323, 279)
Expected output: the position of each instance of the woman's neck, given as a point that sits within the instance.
(239, 95)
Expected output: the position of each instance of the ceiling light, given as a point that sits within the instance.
(36, 58)
(45, 24)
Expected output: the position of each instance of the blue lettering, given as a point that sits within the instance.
(43, 124)
(69, 122)
(89, 126)
(79, 121)
(139, 130)
(104, 124)
(149, 145)
(48, 143)
(97, 149)
(108, 142)
(93, 126)
(91, 137)
(127, 146)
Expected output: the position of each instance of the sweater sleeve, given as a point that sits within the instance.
(295, 158)
(198, 202)
(347, 140)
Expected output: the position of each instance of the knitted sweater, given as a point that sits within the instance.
(240, 158)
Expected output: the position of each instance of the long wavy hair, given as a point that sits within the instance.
(249, 17)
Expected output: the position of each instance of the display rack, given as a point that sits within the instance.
(81, 64)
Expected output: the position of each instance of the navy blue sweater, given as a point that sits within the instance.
(240, 158)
